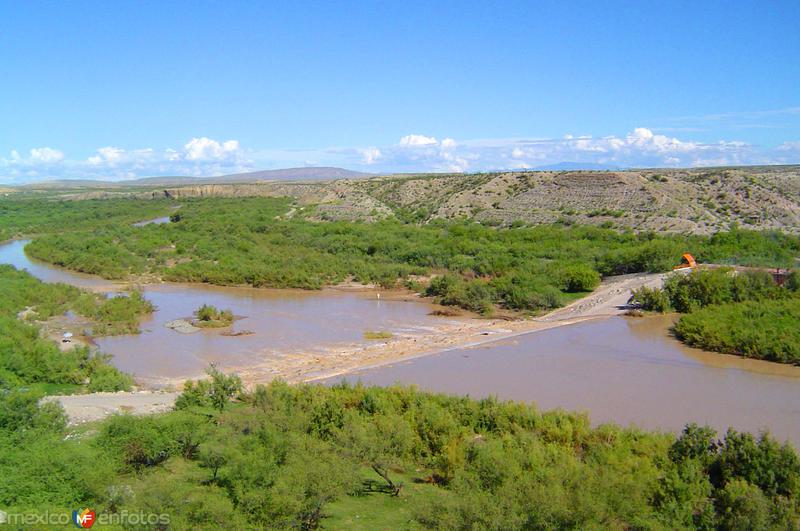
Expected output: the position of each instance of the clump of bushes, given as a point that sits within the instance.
(576, 278)
(651, 299)
(702, 288)
(743, 313)
(27, 358)
(766, 329)
(686, 293)
(208, 316)
(382, 334)
(450, 290)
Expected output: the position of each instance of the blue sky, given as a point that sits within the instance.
(124, 89)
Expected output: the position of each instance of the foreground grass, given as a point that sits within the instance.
(371, 507)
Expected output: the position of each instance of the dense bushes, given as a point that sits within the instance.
(651, 299)
(705, 287)
(685, 293)
(303, 456)
(576, 278)
(744, 313)
(765, 329)
(26, 215)
(27, 358)
(210, 317)
(249, 241)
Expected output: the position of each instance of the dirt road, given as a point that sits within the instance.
(95, 406)
(609, 299)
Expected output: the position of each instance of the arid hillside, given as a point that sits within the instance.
(699, 200)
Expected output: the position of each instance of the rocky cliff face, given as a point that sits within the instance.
(680, 200)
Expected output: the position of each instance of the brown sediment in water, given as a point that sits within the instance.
(619, 369)
(609, 299)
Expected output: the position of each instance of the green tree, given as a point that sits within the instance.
(381, 443)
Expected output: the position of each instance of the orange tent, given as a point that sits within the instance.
(687, 261)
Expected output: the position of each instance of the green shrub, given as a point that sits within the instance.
(757, 329)
(249, 241)
(651, 299)
(579, 278)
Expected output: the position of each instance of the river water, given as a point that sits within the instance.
(284, 322)
(622, 370)
(625, 370)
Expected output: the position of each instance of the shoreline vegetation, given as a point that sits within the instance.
(484, 269)
(743, 313)
(36, 362)
(307, 456)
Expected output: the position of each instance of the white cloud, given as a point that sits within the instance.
(417, 140)
(206, 149)
(789, 146)
(199, 157)
(370, 155)
(202, 156)
(106, 155)
(45, 154)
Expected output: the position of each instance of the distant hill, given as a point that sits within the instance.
(574, 166)
(287, 174)
(686, 200)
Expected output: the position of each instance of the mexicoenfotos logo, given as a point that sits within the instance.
(83, 518)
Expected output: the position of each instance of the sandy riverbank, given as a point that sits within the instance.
(608, 300)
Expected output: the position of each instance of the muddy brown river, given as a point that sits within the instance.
(284, 322)
(622, 370)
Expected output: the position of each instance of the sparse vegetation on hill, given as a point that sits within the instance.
(698, 200)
